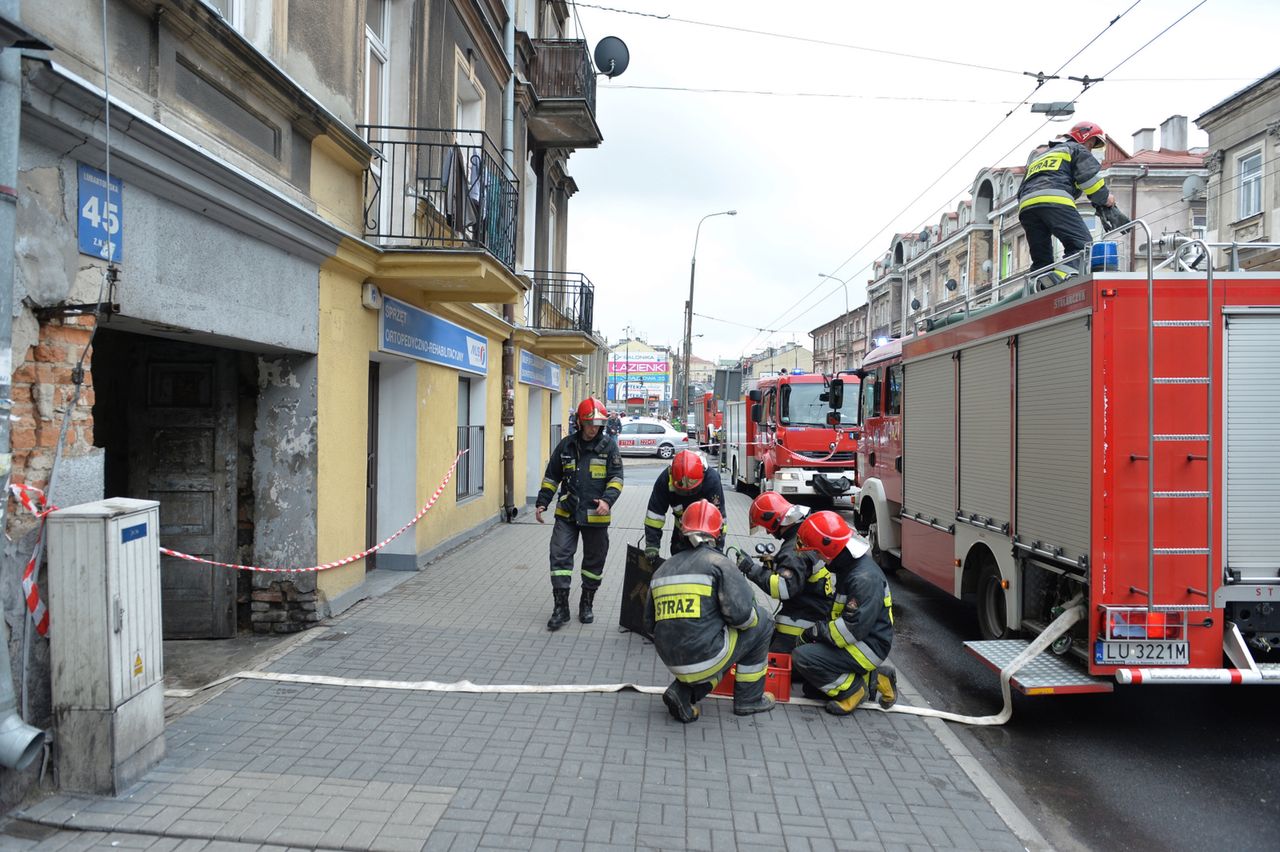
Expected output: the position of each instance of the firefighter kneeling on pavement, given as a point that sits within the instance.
(805, 588)
(706, 619)
(587, 468)
(843, 660)
(686, 481)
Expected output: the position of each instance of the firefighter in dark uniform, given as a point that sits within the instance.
(844, 658)
(587, 468)
(685, 482)
(805, 587)
(706, 619)
(1057, 173)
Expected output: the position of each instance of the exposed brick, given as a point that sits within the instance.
(50, 353)
(273, 595)
(22, 437)
(75, 335)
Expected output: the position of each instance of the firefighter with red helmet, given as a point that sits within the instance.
(844, 658)
(587, 469)
(1057, 173)
(685, 482)
(706, 619)
(805, 588)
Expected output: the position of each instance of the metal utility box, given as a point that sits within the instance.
(105, 643)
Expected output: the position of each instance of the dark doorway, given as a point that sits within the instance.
(371, 472)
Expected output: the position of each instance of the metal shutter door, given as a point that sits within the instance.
(985, 431)
(928, 436)
(1054, 437)
(1253, 464)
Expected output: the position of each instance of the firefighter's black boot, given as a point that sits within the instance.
(585, 615)
(679, 699)
(560, 613)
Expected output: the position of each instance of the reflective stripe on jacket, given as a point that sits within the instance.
(1058, 173)
(805, 587)
(584, 473)
(700, 602)
(863, 625)
(664, 498)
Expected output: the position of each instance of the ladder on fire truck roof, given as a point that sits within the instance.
(1158, 499)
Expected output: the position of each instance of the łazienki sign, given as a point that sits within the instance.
(414, 333)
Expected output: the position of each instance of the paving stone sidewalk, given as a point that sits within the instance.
(267, 765)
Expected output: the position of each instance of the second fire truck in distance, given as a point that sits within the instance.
(1107, 443)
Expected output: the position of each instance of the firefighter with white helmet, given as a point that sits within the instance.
(685, 482)
(844, 658)
(587, 469)
(1057, 173)
(706, 619)
(805, 588)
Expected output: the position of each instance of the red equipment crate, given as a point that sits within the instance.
(777, 680)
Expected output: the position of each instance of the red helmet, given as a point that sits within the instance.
(591, 412)
(771, 511)
(687, 470)
(825, 532)
(701, 522)
(1088, 134)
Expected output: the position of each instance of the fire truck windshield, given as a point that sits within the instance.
(802, 406)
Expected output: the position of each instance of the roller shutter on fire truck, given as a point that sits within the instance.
(1053, 438)
(929, 447)
(985, 427)
(1253, 437)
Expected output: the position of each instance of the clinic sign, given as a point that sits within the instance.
(538, 371)
(414, 333)
(100, 224)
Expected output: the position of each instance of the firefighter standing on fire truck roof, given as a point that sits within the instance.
(1056, 174)
(805, 587)
(845, 657)
(587, 468)
(706, 619)
(685, 482)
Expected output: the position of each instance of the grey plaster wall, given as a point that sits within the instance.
(180, 269)
(285, 468)
(322, 54)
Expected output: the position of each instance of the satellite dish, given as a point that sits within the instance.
(1192, 187)
(611, 56)
(986, 267)
(915, 304)
(924, 236)
(951, 284)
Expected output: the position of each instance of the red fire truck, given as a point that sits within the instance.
(1110, 441)
(710, 420)
(778, 438)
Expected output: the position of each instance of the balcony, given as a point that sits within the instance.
(447, 191)
(562, 80)
(561, 309)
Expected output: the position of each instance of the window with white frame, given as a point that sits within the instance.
(1249, 184)
(1199, 220)
(376, 59)
(232, 11)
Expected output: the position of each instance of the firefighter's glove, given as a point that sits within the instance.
(816, 633)
(742, 560)
(651, 553)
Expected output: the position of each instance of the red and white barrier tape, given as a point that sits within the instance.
(33, 500)
(344, 561)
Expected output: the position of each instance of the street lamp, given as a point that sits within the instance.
(844, 283)
(688, 313)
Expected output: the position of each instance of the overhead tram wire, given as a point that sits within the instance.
(1085, 86)
(787, 314)
(809, 40)
(747, 325)
(841, 95)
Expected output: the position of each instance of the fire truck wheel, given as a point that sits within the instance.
(993, 615)
(733, 476)
(888, 563)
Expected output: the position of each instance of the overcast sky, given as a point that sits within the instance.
(821, 183)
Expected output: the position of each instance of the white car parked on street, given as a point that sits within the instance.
(649, 436)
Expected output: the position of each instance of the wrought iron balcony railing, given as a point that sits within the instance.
(562, 69)
(440, 189)
(560, 301)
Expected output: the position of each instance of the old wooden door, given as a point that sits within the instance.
(182, 452)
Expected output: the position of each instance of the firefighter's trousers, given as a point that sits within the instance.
(564, 543)
(751, 654)
(837, 672)
(1043, 222)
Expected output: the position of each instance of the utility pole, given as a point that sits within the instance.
(688, 313)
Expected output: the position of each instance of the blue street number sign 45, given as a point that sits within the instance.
(100, 228)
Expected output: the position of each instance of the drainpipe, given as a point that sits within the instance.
(19, 742)
(508, 311)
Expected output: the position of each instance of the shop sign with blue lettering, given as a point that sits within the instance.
(414, 333)
(101, 222)
(539, 371)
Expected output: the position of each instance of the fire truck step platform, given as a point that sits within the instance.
(1047, 674)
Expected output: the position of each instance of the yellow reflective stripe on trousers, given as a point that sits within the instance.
(838, 686)
(697, 672)
(590, 576)
(1047, 199)
(598, 519)
(750, 674)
